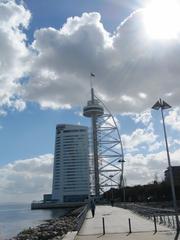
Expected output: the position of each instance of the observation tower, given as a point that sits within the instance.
(107, 157)
(94, 110)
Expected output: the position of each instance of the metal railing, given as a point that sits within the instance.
(81, 217)
(158, 215)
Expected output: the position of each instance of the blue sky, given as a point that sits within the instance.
(54, 14)
(48, 48)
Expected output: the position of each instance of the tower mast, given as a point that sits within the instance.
(107, 149)
(95, 146)
(94, 110)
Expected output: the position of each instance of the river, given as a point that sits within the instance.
(14, 217)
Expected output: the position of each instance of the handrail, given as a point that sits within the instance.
(160, 215)
(81, 217)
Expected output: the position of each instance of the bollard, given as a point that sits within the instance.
(169, 222)
(164, 218)
(155, 225)
(129, 225)
(161, 220)
(103, 226)
(173, 221)
(158, 219)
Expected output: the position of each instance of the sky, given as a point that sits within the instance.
(48, 50)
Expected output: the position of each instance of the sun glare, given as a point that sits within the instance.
(162, 19)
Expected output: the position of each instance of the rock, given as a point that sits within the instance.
(53, 229)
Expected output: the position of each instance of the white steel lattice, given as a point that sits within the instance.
(110, 152)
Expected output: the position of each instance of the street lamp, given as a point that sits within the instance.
(163, 105)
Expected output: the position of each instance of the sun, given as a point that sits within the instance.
(162, 19)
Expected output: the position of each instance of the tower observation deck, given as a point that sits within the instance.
(107, 162)
(93, 108)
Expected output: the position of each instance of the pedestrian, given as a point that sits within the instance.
(92, 206)
(112, 202)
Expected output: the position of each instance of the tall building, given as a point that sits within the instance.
(71, 164)
(176, 175)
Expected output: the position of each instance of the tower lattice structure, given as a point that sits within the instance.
(107, 156)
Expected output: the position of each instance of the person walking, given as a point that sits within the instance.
(112, 202)
(92, 207)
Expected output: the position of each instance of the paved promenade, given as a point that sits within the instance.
(117, 227)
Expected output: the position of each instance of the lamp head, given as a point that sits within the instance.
(161, 104)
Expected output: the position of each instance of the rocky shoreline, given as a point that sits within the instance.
(54, 229)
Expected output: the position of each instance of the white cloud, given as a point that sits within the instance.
(173, 119)
(176, 141)
(175, 156)
(29, 179)
(25, 180)
(141, 169)
(143, 95)
(144, 117)
(155, 146)
(137, 138)
(131, 69)
(65, 55)
(2, 112)
(14, 57)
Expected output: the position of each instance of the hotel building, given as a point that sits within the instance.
(71, 164)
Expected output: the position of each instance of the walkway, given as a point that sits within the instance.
(117, 227)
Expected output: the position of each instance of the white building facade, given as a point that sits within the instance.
(71, 164)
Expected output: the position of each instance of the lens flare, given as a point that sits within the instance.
(162, 19)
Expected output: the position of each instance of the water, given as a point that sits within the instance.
(17, 216)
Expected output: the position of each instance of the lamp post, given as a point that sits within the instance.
(163, 105)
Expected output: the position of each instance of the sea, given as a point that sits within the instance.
(15, 217)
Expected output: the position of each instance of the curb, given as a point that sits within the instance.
(70, 235)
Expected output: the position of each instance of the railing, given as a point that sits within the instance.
(81, 217)
(158, 215)
(168, 220)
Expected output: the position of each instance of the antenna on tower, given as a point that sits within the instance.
(92, 75)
